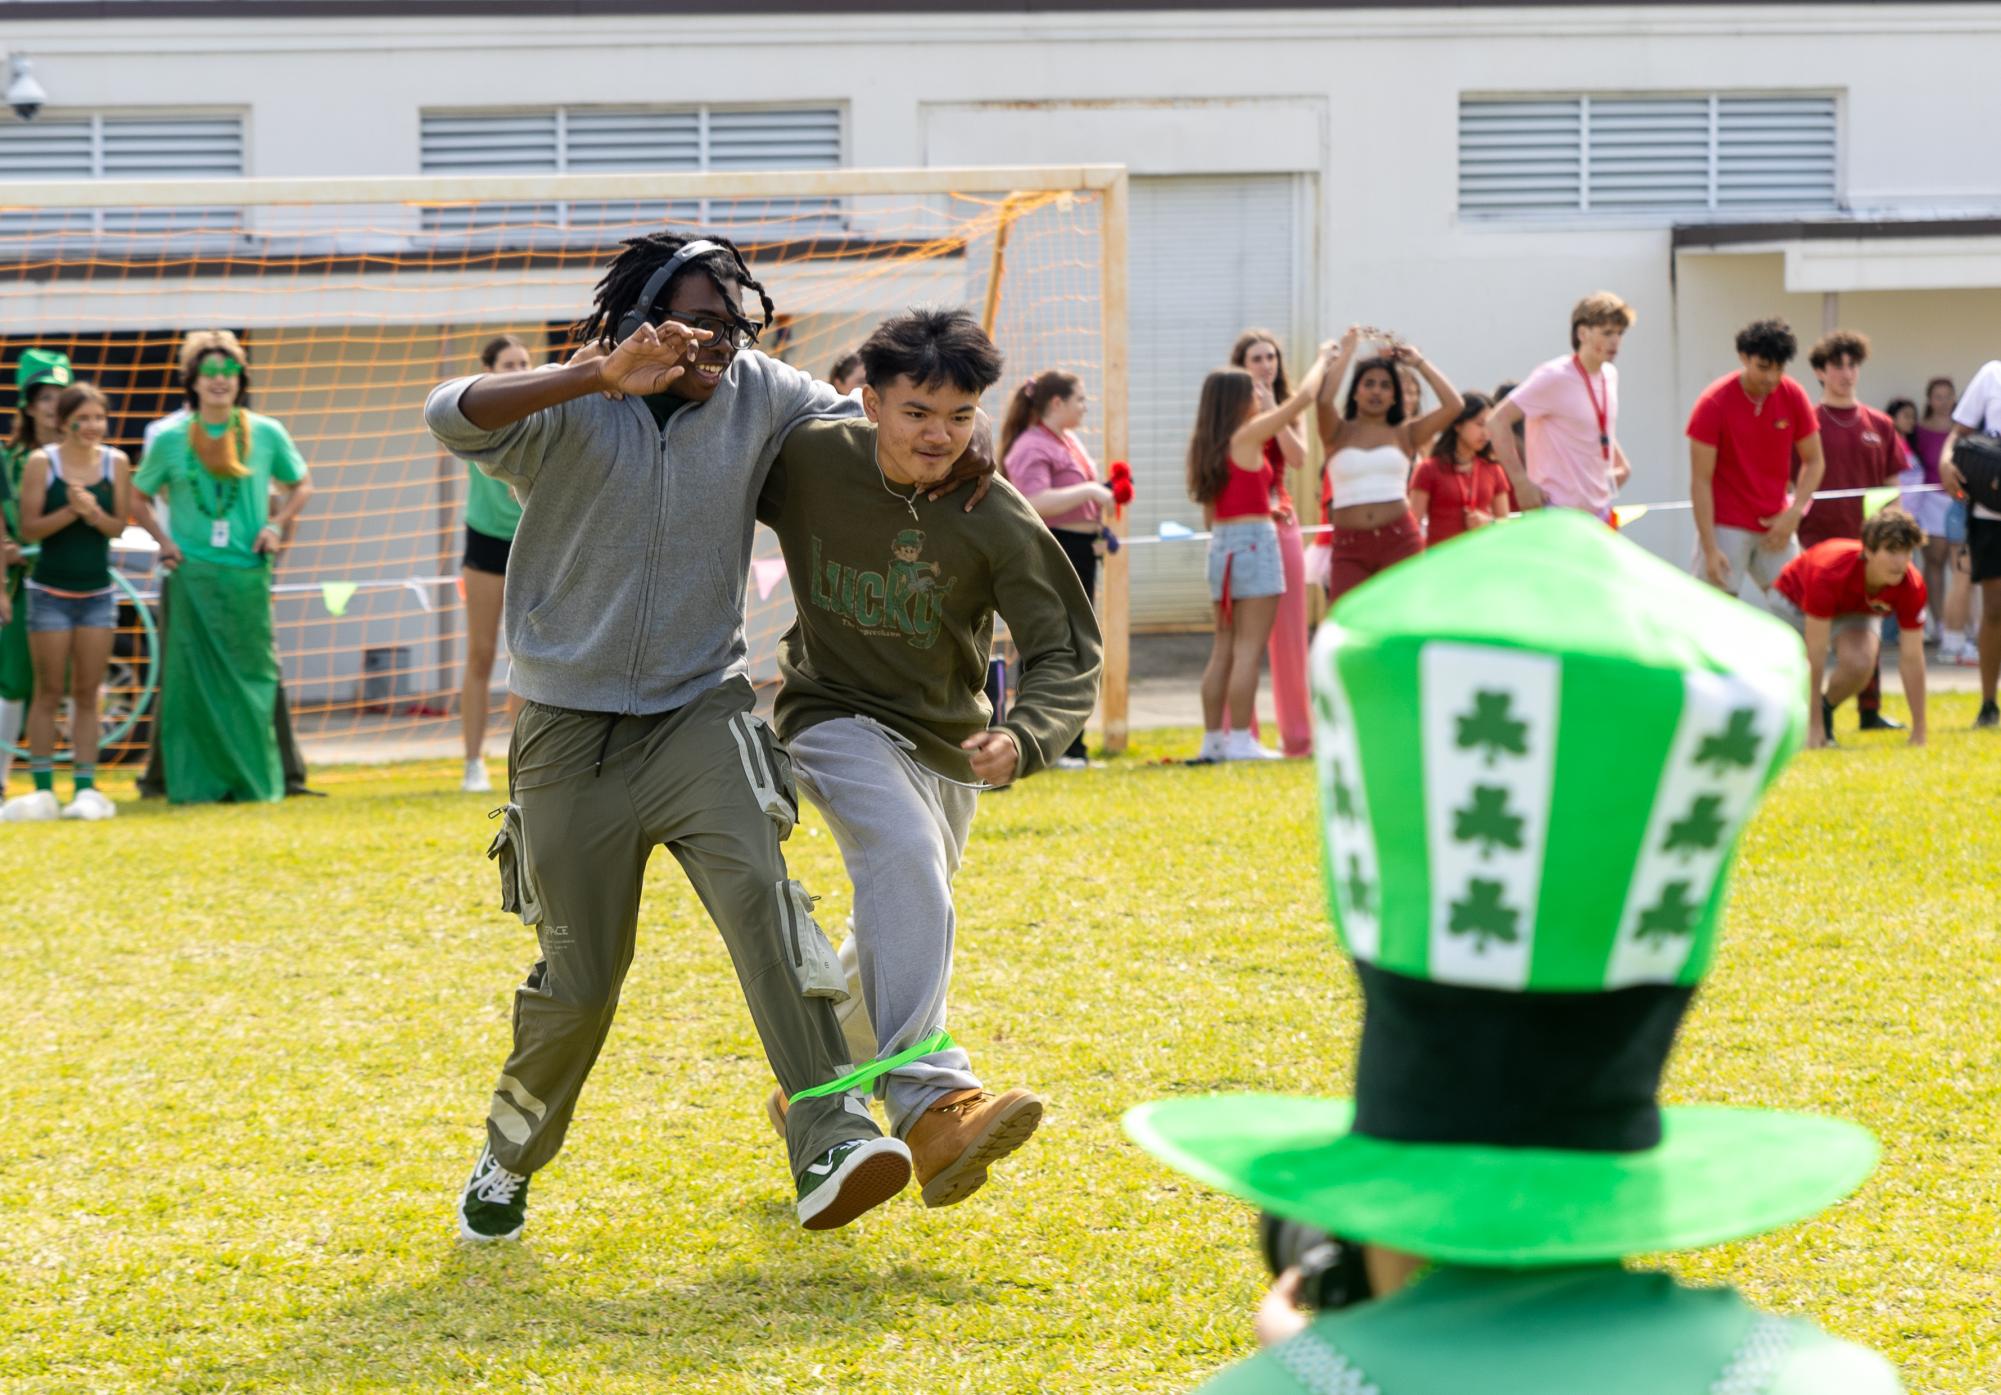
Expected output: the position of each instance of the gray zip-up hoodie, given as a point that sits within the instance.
(625, 588)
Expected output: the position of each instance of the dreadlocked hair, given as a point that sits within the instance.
(625, 280)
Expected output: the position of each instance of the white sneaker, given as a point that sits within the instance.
(31, 808)
(90, 805)
(475, 781)
(1969, 652)
(1950, 648)
(1212, 748)
(1241, 745)
(1072, 763)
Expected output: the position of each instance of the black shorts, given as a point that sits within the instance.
(485, 553)
(1983, 547)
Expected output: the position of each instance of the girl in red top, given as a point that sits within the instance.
(1230, 478)
(1461, 486)
(1257, 352)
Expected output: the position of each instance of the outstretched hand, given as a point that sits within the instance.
(650, 358)
(976, 465)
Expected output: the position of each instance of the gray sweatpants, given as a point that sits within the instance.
(902, 831)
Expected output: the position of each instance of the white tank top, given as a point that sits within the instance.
(1374, 476)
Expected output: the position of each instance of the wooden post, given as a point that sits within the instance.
(1117, 617)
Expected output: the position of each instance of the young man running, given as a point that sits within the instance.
(1741, 438)
(624, 613)
(883, 706)
(1980, 411)
(1862, 451)
(1836, 594)
(1571, 407)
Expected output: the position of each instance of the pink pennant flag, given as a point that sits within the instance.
(767, 572)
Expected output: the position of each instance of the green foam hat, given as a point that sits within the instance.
(1537, 747)
(41, 366)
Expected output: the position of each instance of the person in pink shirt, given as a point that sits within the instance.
(1042, 457)
(1570, 406)
(1742, 436)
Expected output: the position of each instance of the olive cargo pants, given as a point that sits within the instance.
(596, 793)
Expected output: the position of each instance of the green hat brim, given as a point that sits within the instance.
(1718, 1174)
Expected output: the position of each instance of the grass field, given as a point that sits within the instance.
(244, 1054)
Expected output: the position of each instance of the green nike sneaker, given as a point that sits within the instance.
(849, 1178)
(494, 1204)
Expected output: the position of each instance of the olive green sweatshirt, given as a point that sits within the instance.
(896, 598)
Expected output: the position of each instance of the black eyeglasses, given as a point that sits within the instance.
(733, 335)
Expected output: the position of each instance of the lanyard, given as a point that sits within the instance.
(1599, 409)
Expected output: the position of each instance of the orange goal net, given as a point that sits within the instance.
(354, 298)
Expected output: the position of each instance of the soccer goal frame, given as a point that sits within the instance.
(1108, 184)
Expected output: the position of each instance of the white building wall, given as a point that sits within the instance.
(1365, 101)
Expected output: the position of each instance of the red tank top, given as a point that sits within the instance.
(1246, 494)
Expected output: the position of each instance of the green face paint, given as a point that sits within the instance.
(938, 1041)
(220, 366)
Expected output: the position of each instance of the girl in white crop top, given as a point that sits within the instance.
(1370, 450)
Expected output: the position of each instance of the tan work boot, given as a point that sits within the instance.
(963, 1135)
(774, 1110)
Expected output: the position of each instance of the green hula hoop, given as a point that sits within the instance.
(152, 633)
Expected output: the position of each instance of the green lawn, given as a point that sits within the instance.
(244, 1056)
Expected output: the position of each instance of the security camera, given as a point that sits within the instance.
(24, 94)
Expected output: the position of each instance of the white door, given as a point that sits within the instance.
(1209, 256)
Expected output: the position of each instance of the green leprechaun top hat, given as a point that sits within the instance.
(1537, 747)
(41, 366)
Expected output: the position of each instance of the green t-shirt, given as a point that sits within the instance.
(896, 598)
(490, 505)
(218, 520)
(1544, 1331)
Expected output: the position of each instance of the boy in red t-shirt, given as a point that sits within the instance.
(1839, 591)
(1741, 438)
(1863, 451)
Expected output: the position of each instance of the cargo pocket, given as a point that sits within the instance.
(813, 960)
(768, 769)
(509, 850)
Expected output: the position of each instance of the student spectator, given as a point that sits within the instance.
(1567, 414)
(492, 515)
(1938, 513)
(153, 780)
(219, 691)
(1863, 451)
(1980, 410)
(74, 499)
(1230, 478)
(1836, 594)
(1042, 457)
(1257, 352)
(846, 375)
(1741, 438)
(39, 379)
(1370, 448)
(1460, 486)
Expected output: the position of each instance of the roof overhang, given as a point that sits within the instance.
(1900, 254)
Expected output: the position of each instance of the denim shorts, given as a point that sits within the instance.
(1244, 559)
(48, 612)
(1955, 522)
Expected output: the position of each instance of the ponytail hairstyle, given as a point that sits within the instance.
(1250, 339)
(1027, 403)
(498, 345)
(1228, 396)
(1446, 448)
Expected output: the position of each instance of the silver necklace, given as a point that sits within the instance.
(908, 501)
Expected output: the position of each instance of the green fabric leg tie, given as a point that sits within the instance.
(939, 1040)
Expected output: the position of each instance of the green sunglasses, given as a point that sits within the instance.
(220, 366)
